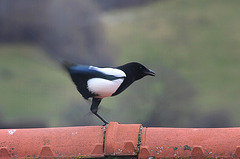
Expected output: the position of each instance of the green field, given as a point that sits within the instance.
(32, 85)
(198, 40)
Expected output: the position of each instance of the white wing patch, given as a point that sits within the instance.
(103, 87)
(109, 71)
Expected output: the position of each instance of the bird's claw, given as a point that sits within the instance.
(105, 124)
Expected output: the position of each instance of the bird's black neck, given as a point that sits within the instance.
(128, 80)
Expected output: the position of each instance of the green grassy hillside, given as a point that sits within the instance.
(198, 39)
(33, 87)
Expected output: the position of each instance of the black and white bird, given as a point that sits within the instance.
(100, 82)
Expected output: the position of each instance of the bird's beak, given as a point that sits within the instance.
(150, 72)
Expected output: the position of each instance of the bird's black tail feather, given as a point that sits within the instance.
(66, 64)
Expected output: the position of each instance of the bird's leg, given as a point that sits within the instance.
(94, 109)
(100, 117)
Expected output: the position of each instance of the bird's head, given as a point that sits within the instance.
(139, 70)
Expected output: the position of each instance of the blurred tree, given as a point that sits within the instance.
(75, 32)
(175, 106)
(67, 29)
(218, 119)
(21, 21)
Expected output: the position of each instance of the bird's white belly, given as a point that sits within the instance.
(102, 87)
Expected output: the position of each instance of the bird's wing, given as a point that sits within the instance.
(103, 87)
(108, 84)
(109, 71)
(100, 82)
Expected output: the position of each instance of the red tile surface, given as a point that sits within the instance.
(121, 139)
(48, 142)
(190, 142)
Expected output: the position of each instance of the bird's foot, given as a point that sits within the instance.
(105, 124)
(101, 118)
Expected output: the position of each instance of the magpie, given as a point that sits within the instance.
(100, 82)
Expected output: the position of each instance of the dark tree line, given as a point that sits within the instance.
(66, 29)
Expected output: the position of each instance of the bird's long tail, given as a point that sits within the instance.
(66, 64)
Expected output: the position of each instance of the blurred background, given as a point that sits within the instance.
(193, 46)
